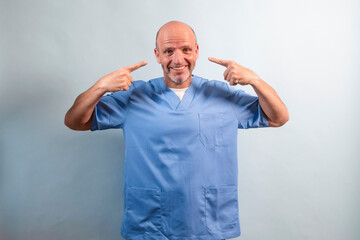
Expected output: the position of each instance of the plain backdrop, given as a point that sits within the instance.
(300, 181)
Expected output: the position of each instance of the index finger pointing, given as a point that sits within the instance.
(219, 61)
(132, 68)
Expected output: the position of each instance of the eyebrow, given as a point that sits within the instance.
(183, 46)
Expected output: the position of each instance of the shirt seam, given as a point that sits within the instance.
(127, 106)
(233, 107)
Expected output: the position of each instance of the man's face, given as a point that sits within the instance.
(177, 53)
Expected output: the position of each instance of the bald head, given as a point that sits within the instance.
(170, 26)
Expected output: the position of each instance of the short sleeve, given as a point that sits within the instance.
(111, 110)
(247, 110)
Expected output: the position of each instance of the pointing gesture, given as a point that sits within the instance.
(235, 73)
(120, 80)
(136, 66)
(79, 115)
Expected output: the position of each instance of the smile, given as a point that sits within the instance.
(178, 68)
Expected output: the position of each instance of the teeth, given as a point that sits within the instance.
(179, 68)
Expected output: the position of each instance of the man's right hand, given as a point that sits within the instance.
(79, 115)
(119, 80)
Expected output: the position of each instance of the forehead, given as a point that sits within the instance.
(176, 35)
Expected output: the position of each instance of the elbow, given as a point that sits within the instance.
(68, 123)
(80, 127)
(283, 121)
(280, 121)
(77, 127)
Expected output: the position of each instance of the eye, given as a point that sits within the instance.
(168, 51)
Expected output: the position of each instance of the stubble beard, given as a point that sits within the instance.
(178, 80)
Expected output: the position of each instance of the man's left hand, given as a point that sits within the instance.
(235, 73)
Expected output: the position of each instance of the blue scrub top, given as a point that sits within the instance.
(181, 172)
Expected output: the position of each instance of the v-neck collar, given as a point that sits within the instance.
(174, 100)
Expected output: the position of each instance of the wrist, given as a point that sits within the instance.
(255, 82)
(100, 86)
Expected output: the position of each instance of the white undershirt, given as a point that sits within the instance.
(180, 92)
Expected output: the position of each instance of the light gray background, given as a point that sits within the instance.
(300, 181)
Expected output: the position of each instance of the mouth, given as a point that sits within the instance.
(178, 69)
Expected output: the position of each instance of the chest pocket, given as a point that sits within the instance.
(211, 127)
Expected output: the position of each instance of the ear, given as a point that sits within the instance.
(157, 55)
(197, 51)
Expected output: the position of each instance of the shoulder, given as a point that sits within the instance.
(148, 85)
(138, 84)
(213, 84)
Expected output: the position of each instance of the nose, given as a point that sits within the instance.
(177, 57)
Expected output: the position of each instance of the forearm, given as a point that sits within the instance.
(270, 103)
(79, 115)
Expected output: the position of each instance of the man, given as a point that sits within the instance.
(180, 135)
